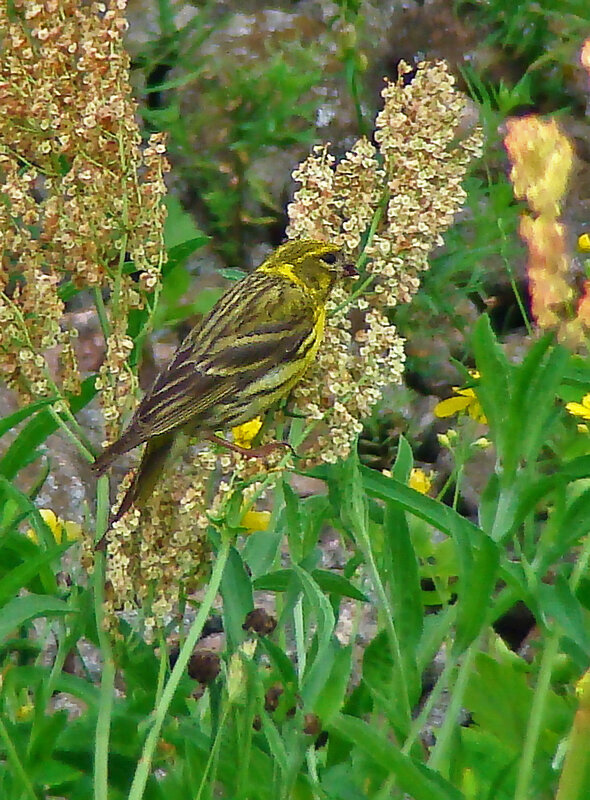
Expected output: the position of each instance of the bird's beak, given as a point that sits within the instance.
(349, 270)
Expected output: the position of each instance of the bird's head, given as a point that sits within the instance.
(316, 264)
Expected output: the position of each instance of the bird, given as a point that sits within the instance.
(247, 353)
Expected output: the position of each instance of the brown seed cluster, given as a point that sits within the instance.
(388, 207)
(159, 555)
(80, 195)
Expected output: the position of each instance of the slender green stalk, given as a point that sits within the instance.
(84, 451)
(159, 716)
(17, 765)
(300, 637)
(299, 621)
(433, 698)
(162, 667)
(394, 643)
(525, 769)
(509, 268)
(445, 732)
(74, 432)
(102, 314)
(213, 752)
(107, 683)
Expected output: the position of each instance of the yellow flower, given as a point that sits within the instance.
(255, 521)
(245, 434)
(584, 243)
(62, 530)
(420, 480)
(466, 400)
(25, 711)
(580, 409)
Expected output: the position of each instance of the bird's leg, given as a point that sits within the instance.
(250, 452)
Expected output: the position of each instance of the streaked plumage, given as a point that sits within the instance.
(247, 353)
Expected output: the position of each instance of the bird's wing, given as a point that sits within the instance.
(253, 341)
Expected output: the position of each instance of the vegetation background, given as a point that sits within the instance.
(411, 621)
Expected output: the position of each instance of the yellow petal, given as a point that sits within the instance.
(466, 393)
(62, 531)
(73, 531)
(451, 406)
(52, 522)
(245, 433)
(578, 410)
(475, 411)
(256, 521)
(420, 481)
(584, 243)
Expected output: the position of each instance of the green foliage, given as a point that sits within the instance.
(331, 703)
(235, 117)
(542, 38)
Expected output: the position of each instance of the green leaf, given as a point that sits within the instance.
(330, 582)
(493, 390)
(12, 420)
(558, 603)
(465, 534)
(333, 583)
(432, 511)
(38, 429)
(281, 661)
(318, 669)
(331, 698)
(293, 522)
(405, 591)
(275, 743)
(53, 774)
(179, 227)
(178, 254)
(476, 590)
(277, 581)
(236, 590)
(404, 461)
(232, 273)
(576, 468)
(413, 778)
(534, 411)
(575, 524)
(21, 576)
(23, 609)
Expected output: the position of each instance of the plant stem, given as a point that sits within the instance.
(102, 314)
(525, 769)
(389, 623)
(13, 757)
(145, 762)
(213, 752)
(433, 698)
(448, 728)
(107, 683)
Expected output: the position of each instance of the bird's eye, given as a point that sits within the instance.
(329, 258)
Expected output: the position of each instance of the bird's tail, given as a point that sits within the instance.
(110, 454)
(148, 473)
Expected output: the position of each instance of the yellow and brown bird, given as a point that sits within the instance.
(248, 352)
